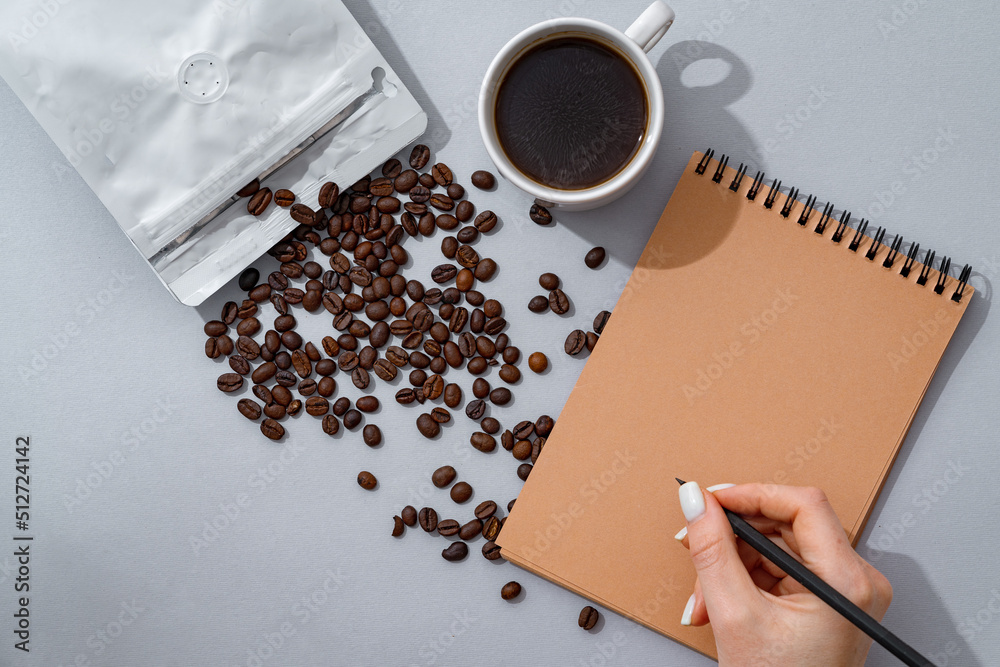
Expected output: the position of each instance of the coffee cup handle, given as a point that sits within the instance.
(651, 25)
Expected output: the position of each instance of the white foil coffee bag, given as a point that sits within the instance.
(167, 109)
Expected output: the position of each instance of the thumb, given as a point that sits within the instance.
(725, 583)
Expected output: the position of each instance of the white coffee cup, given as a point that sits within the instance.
(633, 44)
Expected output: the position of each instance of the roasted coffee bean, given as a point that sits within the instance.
(500, 396)
(366, 480)
(592, 339)
(432, 296)
(441, 174)
(467, 256)
(575, 342)
(331, 346)
(449, 246)
(491, 527)
(360, 378)
(509, 374)
(477, 321)
(284, 323)
(292, 340)
(412, 340)
(248, 279)
(312, 300)
(419, 156)
(341, 405)
(239, 364)
(312, 353)
(536, 448)
(455, 191)
(510, 590)
(440, 415)
(405, 181)
(475, 410)
(259, 202)
(443, 476)
(212, 348)
(465, 280)
(360, 204)
(510, 505)
(328, 195)
(391, 168)
(339, 263)
(294, 407)
(427, 223)
(456, 551)
(485, 510)
(485, 221)
(544, 425)
(524, 470)
(302, 364)
(330, 425)
(317, 406)
(260, 293)
(229, 382)
(446, 221)
(381, 187)
(397, 526)
(511, 354)
(439, 332)
(272, 429)
(303, 214)
(477, 366)
(470, 530)
(249, 190)
(263, 393)
(483, 180)
(427, 426)
(372, 435)
(281, 395)
(307, 387)
(467, 234)
(484, 442)
(215, 328)
(284, 198)
(385, 369)
(409, 515)
(279, 302)
(538, 304)
(418, 378)
(285, 378)
(419, 194)
(601, 321)
(588, 617)
(539, 215)
(480, 388)
(448, 527)
(433, 387)
(352, 419)
(248, 347)
(521, 450)
(452, 395)
(367, 403)
(558, 302)
(494, 326)
(490, 425)
(486, 269)
(282, 359)
(461, 492)
(524, 429)
(249, 408)
(464, 212)
(229, 312)
(549, 281)
(491, 551)
(428, 519)
(275, 410)
(441, 202)
(347, 360)
(326, 386)
(388, 205)
(224, 345)
(538, 362)
(438, 365)
(595, 257)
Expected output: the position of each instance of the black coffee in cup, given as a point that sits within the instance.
(571, 112)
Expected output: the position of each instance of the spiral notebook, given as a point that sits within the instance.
(759, 339)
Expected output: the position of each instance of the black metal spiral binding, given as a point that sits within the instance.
(738, 178)
(824, 219)
(772, 193)
(758, 180)
(845, 219)
(842, 227)
(893, 251)
(859, 233)
(876, 243)
(790, 200)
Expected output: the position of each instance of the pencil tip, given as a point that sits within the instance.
(679, 481)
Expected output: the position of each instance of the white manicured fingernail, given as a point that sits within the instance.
(692, 502)
(688, 611)
(719, 487)
(681, 534)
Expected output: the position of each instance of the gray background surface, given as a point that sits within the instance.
(886, 108)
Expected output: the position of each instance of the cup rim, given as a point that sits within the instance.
(546, 30)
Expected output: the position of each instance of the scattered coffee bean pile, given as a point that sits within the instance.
(387, 324)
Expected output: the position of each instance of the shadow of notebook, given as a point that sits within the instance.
(751, 344)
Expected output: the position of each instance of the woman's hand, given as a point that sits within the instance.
(759, 615)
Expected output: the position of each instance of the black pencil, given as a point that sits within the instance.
(824, 591)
